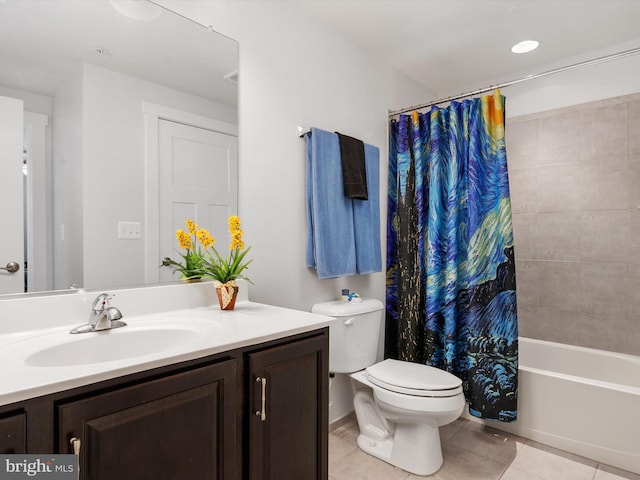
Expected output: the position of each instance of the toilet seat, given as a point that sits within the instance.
(413, 379)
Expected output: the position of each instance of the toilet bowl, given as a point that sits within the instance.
(400, 423)
(399, 405)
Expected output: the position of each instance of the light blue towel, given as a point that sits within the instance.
(342, 238)
(366, 217)
(331, 238)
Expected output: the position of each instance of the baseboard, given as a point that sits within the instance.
(348, 418)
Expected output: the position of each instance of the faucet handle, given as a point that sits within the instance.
(102, 301)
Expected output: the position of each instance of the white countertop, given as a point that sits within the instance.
(207, 331)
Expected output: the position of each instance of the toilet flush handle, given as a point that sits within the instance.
(348, 321)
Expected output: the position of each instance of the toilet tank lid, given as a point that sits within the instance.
(347, 309)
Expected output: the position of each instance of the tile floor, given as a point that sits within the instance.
(471, 452)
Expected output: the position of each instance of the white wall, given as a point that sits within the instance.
(33, 102)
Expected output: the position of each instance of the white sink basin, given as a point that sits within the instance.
(65, 350)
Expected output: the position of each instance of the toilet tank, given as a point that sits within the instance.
(355, 335)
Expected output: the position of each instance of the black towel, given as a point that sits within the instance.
(354, 173)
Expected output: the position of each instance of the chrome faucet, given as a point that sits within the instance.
(102, 316)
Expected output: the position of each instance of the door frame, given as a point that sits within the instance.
(153, 113)
(39, 202)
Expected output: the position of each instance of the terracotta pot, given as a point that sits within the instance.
(227, 296)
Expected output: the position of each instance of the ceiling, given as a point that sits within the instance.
(455, 46)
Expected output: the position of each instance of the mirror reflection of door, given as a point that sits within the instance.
(11, 193)
(198, 178)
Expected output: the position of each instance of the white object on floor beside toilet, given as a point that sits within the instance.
(399, 405)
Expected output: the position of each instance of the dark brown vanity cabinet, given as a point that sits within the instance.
(13, 433)
(289, 411)
(180, 426)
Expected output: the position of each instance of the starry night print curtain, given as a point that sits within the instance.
(451, 286)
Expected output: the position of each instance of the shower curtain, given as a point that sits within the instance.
(451, 290)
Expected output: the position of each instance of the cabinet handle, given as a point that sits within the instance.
(76, 445)
(262, 413)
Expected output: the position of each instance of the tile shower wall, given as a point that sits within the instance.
(575, 192)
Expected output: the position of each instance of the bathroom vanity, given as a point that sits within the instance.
(247, 401)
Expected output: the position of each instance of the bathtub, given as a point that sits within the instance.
(581, 400)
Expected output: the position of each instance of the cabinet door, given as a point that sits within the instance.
(174, 428)
(288, 429)
(13, 438)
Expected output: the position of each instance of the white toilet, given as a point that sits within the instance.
(399, 405)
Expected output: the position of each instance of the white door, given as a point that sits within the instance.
(11, 197)
(198, 180)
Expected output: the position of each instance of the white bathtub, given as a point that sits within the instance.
(581, 400)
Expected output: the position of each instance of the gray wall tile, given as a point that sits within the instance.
(605, 186)
(558, 188)
(560, 139)
(575, 186)
(604, 236)
(625, 335)
(522, 144)
(634, 235)
(558, 236)
(524, 190)
(604, 132)
(561, 326)
(527, 283)
(559, 286)
(603, 288)
(525, 227)
(528, 324)
(634, 185)
(614, 333)
(634, 127)
(634, 289)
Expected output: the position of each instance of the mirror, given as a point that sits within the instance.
(98, 90)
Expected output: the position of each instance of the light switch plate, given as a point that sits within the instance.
(129, 230)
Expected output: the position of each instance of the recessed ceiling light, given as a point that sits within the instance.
(525, 46)
(137, 9)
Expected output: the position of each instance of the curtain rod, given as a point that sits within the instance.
(586, 63)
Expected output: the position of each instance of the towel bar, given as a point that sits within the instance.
(302, 131)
